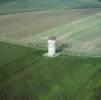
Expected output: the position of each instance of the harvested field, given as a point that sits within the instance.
(79, 27)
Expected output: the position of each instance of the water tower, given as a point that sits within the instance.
(51, 46)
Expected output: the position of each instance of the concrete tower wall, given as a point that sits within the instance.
(51, 48)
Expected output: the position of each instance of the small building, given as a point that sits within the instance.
(51, 46)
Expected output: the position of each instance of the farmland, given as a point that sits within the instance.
(79, 27)
(24, 75)
(13, 6)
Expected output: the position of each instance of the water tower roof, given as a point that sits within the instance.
(52, 38)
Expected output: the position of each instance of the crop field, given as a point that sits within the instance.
(79, 28)
(27, 75)
(13, 6)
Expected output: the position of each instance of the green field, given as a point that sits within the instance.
(13, 6)
(27, 75)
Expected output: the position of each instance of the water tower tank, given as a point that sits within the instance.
(51, 46)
